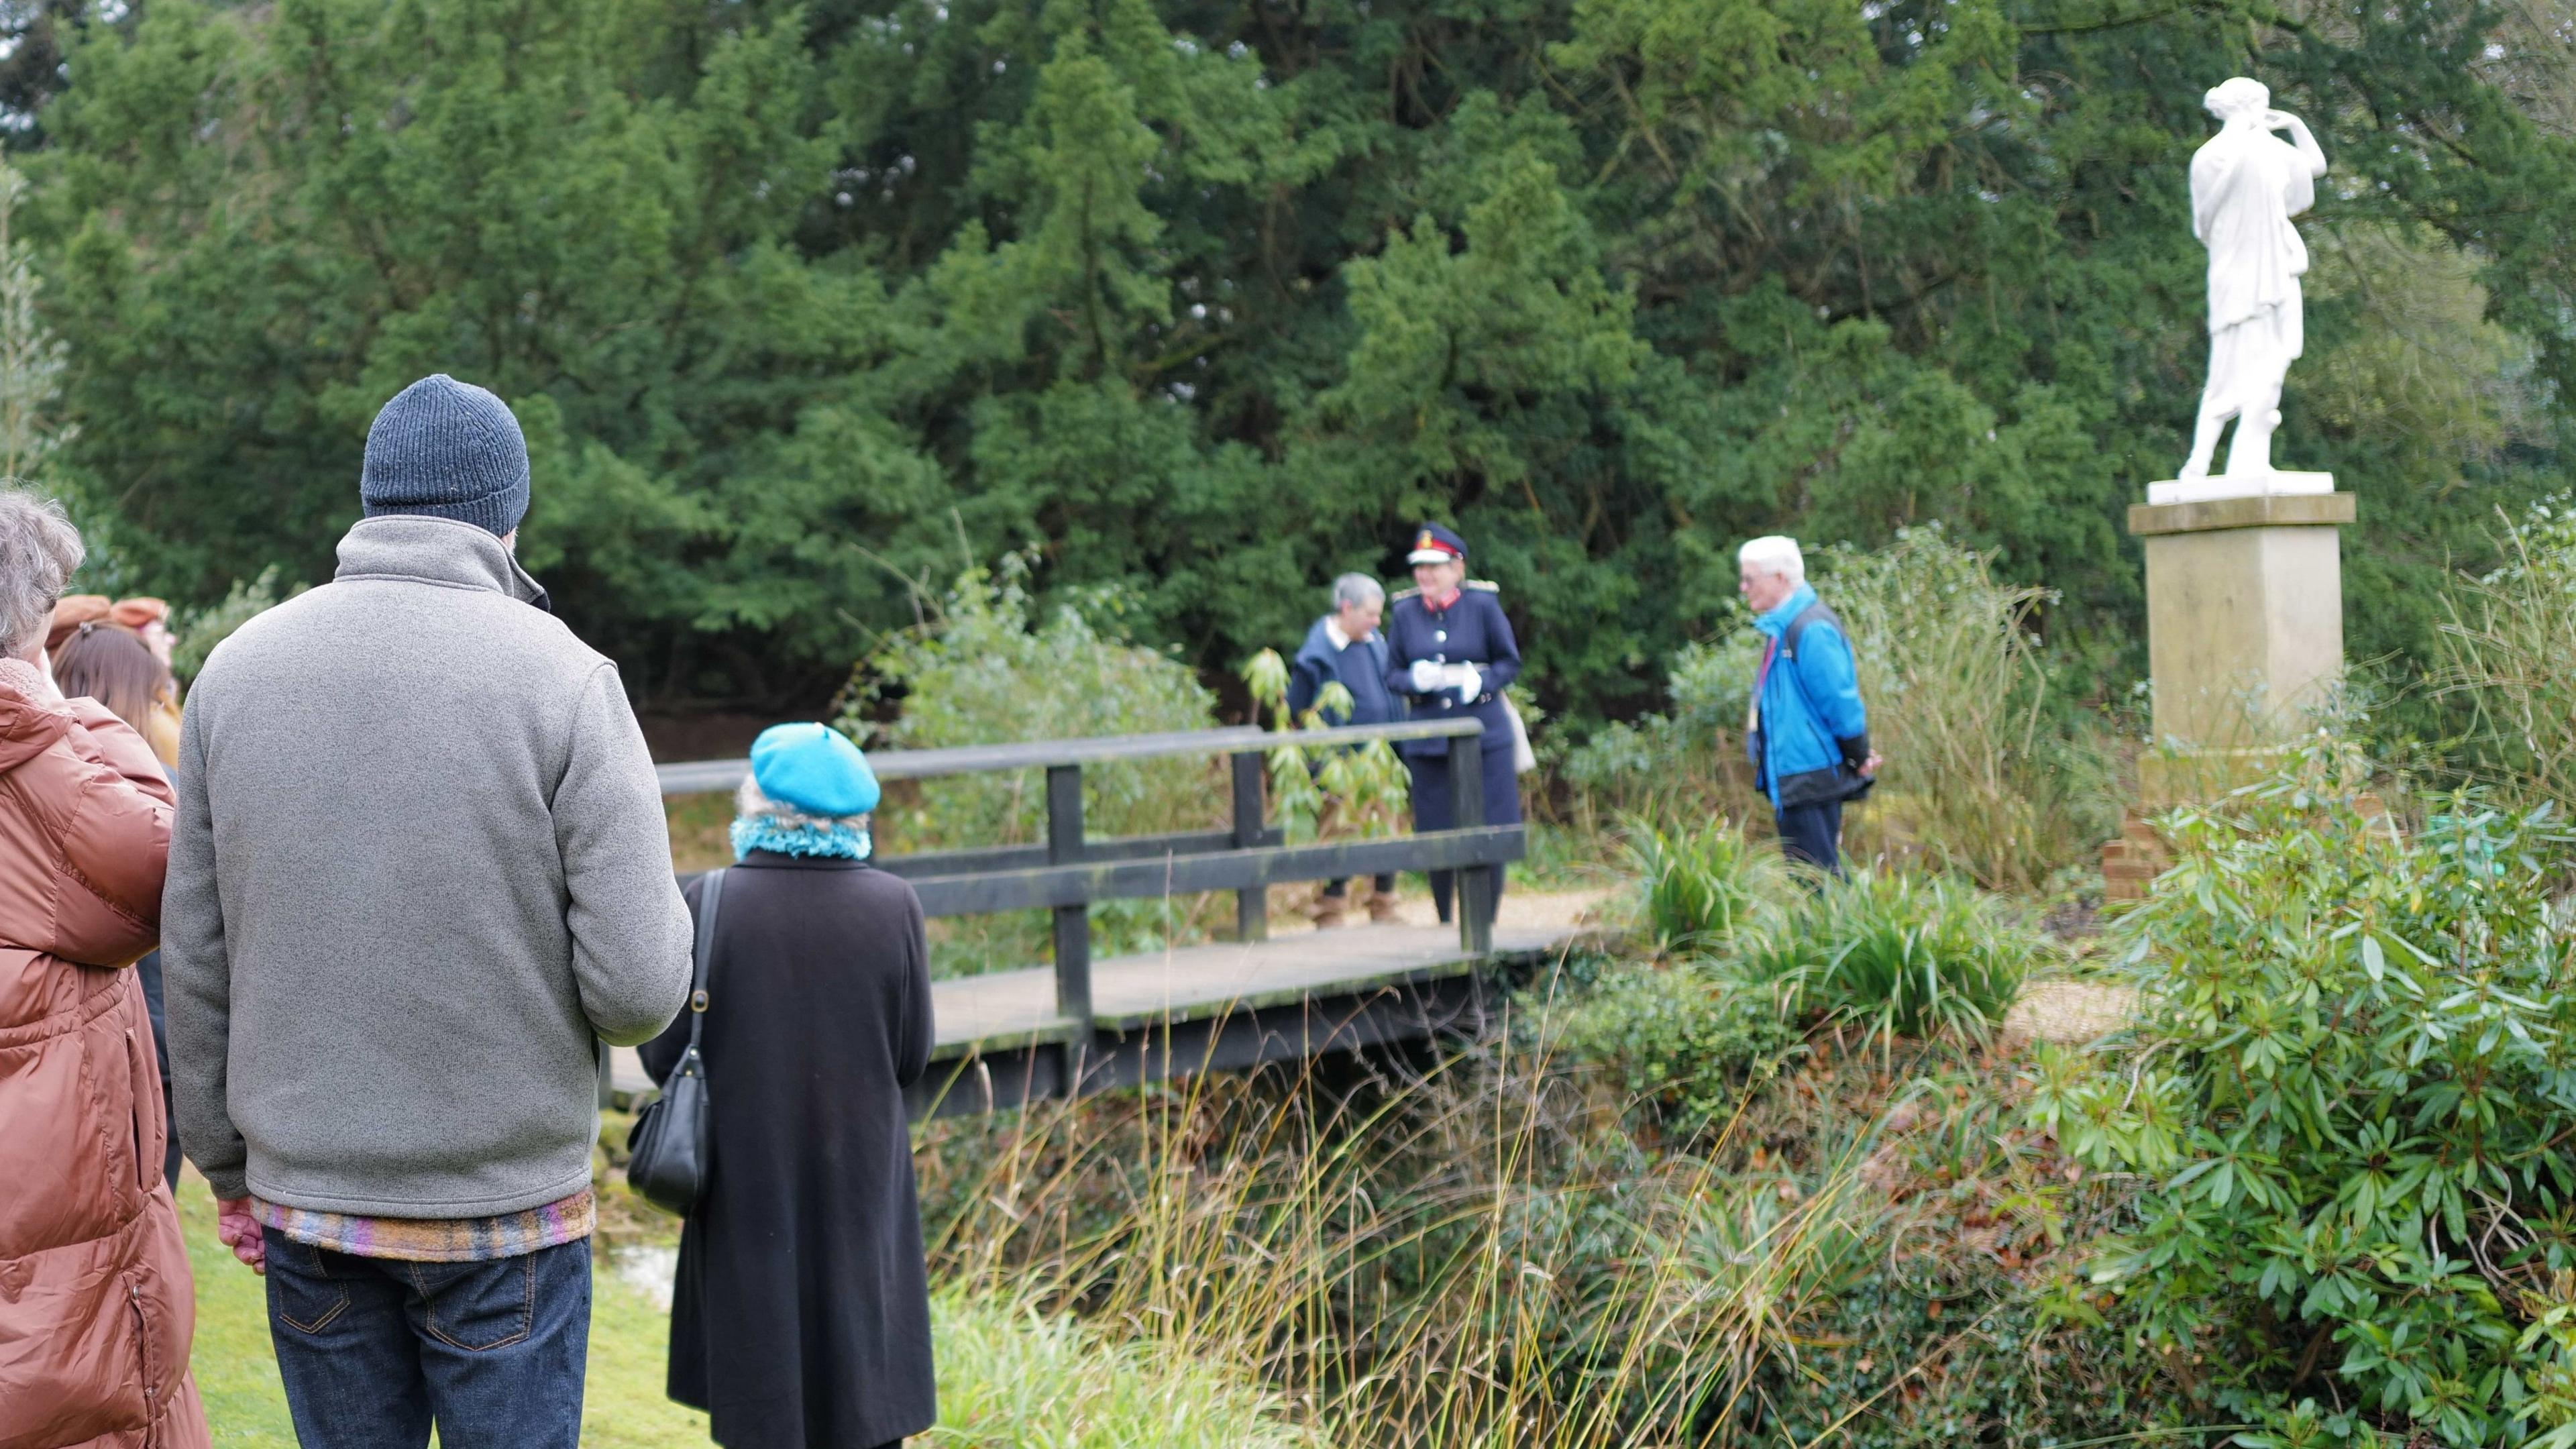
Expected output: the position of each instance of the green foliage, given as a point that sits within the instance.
(1679, 764)
(1899, 955)
(195, 632)
(1862, 1250)
(1689, 1035)
(1700, 887)
(980, 669)
(31, 357)
(1739, 976)
(1211, 298)
(1348, 790)
(2351, 1105)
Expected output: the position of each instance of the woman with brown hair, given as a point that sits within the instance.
(110, 663)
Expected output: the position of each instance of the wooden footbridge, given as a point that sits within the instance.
(1080, 1025)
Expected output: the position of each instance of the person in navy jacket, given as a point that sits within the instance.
(1807, 731)
(1450, 652)
(1345, 647)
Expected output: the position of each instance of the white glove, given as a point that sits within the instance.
(1471, 686)
(1426, 676)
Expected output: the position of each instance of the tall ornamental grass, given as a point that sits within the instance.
(1986, 772)
(1468, 1259)
(2507, 648)
(1741, 963)
(1698, 888)
(1899, 955)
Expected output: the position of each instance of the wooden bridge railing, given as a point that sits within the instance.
(1072, 870)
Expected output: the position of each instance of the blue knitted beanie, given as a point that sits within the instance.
(447, 449)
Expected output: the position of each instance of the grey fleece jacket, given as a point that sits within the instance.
(419, 860)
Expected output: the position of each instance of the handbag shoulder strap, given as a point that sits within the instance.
(710, 896)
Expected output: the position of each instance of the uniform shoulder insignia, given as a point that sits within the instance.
(1488, 585)
(1402, 594)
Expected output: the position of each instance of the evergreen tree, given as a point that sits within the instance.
(804, 308)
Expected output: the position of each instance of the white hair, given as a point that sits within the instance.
(750, 803)
(1352, 591)
(39, 548)
(1774, 553)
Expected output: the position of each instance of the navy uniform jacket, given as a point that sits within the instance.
(1472, 630)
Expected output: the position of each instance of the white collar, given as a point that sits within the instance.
(1333, 631)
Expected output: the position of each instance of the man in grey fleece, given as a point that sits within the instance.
(419, 863)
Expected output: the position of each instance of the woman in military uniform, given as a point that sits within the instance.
(1450, 652)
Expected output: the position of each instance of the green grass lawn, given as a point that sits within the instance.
(1009, 1378)
(623, 1407)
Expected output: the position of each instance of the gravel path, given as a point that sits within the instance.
(1538, 910)
(2071, 1013)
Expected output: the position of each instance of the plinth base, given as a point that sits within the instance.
(2244, 640)
(2257, 485)
(2244, 615)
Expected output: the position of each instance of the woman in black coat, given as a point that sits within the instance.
(801, 1318)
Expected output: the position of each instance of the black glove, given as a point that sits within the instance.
(1855, 750)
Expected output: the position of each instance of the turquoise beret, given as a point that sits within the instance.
(813, 768)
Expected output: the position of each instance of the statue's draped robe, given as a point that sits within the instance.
(2245, 187)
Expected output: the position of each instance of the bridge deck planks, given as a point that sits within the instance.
(1005, 1009)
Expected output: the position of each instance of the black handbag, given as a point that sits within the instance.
(667, 1152)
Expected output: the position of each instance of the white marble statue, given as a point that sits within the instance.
(2246, 184)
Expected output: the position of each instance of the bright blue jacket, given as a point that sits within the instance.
(1810, 713)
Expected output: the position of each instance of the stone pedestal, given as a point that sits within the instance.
(2244, 638)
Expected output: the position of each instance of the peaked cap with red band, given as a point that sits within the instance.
(1435, 544)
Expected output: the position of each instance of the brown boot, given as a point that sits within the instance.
(1326, 912)
(1382, 907)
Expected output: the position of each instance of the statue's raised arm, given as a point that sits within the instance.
(2246, 184)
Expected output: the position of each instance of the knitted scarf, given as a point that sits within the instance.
(788, 833)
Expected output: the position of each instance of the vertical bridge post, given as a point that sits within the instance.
(1472, 887)
(1252, 903)
(1073, 922)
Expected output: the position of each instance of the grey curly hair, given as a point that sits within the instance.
(751, 804)
(39, 549)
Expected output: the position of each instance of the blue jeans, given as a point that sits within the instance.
(373, 1349)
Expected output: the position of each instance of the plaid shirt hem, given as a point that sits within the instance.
(436, 1240)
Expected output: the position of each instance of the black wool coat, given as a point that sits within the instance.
(801, 1319)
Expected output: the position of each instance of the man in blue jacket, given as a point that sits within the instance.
(1344, 647)
(1807, 731)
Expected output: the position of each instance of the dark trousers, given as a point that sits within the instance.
(1433, 809)
(149, 971)
(1342, 885)
(1812, 834)
(169, 1153)
(373, 1350)
(1444, 881)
